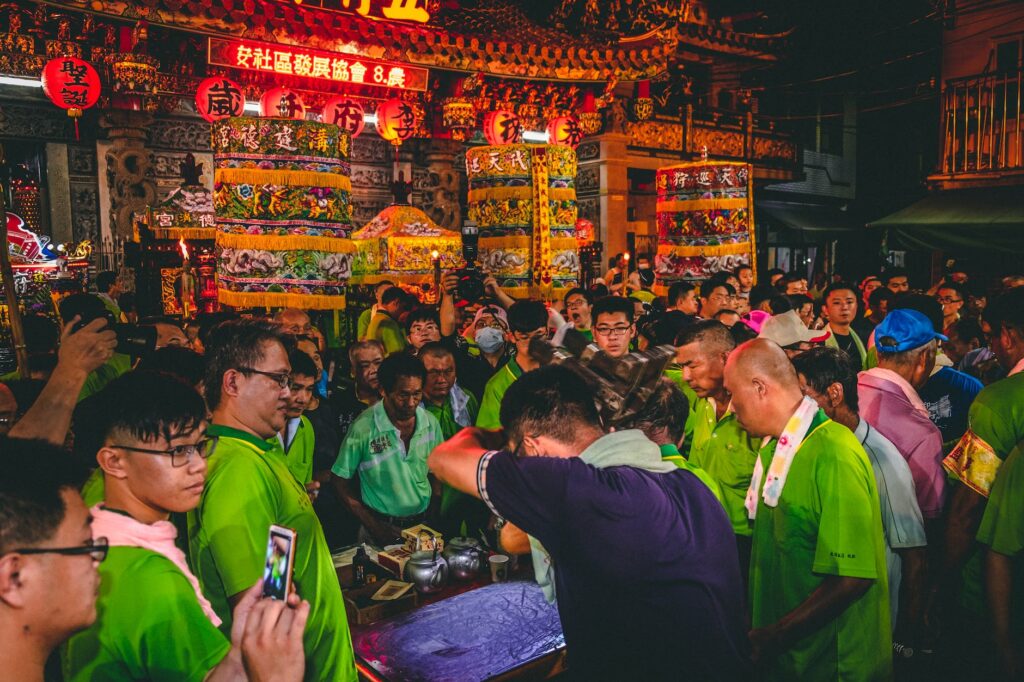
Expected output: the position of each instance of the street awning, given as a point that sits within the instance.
(822, 221)
(989, 218)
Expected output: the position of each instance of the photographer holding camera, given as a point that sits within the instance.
(615, 529)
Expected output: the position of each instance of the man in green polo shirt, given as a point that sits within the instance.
(297, 438)
(384, 325)
(720, 446)
(818, 585)
(249, 487)
(454, 408)
(988, 495)
(387, 447)
(526, 320)
(153, 622)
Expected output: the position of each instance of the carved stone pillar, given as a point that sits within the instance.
(128, 160)
(440, 194)
(614, 169)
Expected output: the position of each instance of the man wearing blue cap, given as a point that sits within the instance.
(906, 343)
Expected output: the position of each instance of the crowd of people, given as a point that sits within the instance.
(822, 485)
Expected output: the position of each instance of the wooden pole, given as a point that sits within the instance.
(13, 311)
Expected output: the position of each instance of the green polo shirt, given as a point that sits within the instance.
(670, 453)
(727, 453)
(97, 380)
(393, 480)
(150, 625)
(676, 375)
(385, 329)
(446, 416)
(490, 406)
(300, 453)
(828, 522)
(248, 488)
(94, 490)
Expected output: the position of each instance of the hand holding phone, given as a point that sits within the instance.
(280, 561)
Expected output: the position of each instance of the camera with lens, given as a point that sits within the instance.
(133, 340)
(471, 279)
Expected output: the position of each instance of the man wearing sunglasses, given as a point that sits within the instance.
(154, 623)
(48, 559)
(249, 487)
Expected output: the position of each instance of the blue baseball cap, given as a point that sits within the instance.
(904, 329)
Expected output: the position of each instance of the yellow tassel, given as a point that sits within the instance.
(710, 250)
(397, 277)
(176, 233)
(296, 242)
(517, 242)
(504, 193)
(244, 299)
(290, 178)
(700, 205)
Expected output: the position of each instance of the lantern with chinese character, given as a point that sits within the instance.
(565, 130)
(590, 118)
(219, 98)
(345, 113)
(643, 105)
(502, 127)
(282, 103)
(71, 84)
(396, 120)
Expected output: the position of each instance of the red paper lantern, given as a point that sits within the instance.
(565, 130)
(282, 103)
(396, 120)
(218, 98)
(71, 84)
(502, 127)
(345, 113)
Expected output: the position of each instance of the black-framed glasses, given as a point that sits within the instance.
(612, 332)
(97, 548)
(282, 379)
(945, 300)
(181, 454)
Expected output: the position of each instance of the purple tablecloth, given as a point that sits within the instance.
(473, 636)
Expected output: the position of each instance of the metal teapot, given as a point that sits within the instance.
(465, 558)
(427, 571)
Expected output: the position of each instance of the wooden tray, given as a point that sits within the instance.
(362, 610)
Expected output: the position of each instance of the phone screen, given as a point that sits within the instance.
(277, 570)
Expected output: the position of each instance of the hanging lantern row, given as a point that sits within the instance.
(72, 84)
(502, 127)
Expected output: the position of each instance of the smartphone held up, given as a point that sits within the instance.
(277, 570)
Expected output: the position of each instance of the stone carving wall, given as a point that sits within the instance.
(179, 133)
(85, 203)
(656, 135)
(128, 164)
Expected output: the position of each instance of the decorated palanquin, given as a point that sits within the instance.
(398, 245)
(705, 217)
(186, 213)
(282, 197)
(523, 200)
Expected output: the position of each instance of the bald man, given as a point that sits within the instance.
(818, 585)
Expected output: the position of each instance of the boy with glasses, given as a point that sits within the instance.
(46, 549)
(613, 325)
(578, 304)
(951, 297)
(526, 320)
(154, 623)
(249, 487)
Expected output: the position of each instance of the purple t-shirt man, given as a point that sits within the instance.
(647, 573)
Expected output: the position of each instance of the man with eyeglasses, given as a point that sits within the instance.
(578, 304)
(715, 295)
(526, 320)
(48, 558)
(154, 622)
(387, 448)
(613, 325)
(249, 487)
(422, 326)
(951, 297)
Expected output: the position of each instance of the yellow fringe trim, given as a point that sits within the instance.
(711, 250)
(186, 232)
(517, 242)
(290, 178)
(398, 278)
(242, 299)
(285, 243)
(564, 244)
(503, 193)
(701, 205)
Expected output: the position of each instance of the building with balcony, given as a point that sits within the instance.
(973, 209)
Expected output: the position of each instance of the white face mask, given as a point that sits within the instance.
(489, 339)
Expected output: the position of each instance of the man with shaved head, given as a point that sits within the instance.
(719, 446)
(818, 585)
